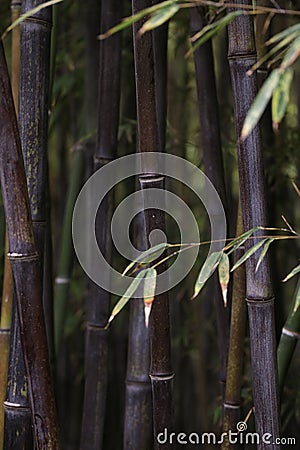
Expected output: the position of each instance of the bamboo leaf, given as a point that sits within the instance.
(149, 292)
(159, 18)
(212, 29)
(263, 253)
(281, 97)
(259, 105)
(224, 275)
(29, 14)
(206, 271)
(127, 296)
(248, 253)
(279, 36)
(148, 256)
(128, 21)
(240, 240)
(292, 273)
(297, 299)
(291, 55)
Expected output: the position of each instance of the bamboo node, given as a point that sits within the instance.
(291, 333)
(162, 377)
(62, 280)
(260, 301)
(14, 256)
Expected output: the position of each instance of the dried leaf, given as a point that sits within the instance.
(224, 275)
(149, 292)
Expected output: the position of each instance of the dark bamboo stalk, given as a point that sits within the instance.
(211, 146)
(138, 403)
(259, 294)
(17, 431)
(33, 124)
(149, 140)
(26, 272)
(98, 299)
(232, 400)
(289, 336)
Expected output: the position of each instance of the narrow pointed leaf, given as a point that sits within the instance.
(291, 55)
(149, 292)
(279, 36)
(128, 294)
(159, 18)
(263, 253)
(206, 271)
(224, 275)
(248, 253)
(240, 240)
(28, 14)
(259, 105)
(281, 97)
(297, 300)
(148, 256)
(292, 273)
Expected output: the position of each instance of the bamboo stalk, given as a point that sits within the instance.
(7, 293)
(211, 146)
(232, 400)
(288, 340)
(62, 281)
(33, 123)
(138, 402)
(25, 268)
(98, 299)
(149, 139)
(259, 294)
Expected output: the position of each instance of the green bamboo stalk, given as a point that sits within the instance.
(211, 146)
(259, 294)
(26, 272)
(149, 139)
(96, 353)
(62, 281)
(288, 340)
(232, 400)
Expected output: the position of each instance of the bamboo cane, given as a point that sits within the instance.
(232, 400)
(98, 299)
(33, 123)
(26, 273)
(149, 140)
(211, 146)
(17, 426)
(288, 340)
(259, 295)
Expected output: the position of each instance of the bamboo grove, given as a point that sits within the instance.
(213, 360)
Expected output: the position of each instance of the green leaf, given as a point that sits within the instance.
(224, 275)
(212, 29)
(127, 296)
(248, 253)
(292, 273)
(259, 105)
(206, 271)
(148, 256)
(29, 14)
(240, 240)
(291, 55)
(279, 36)
(159, 18)
(127, 21)
(149, 292)
(281, 97)
(297, 298)
(263, 253)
